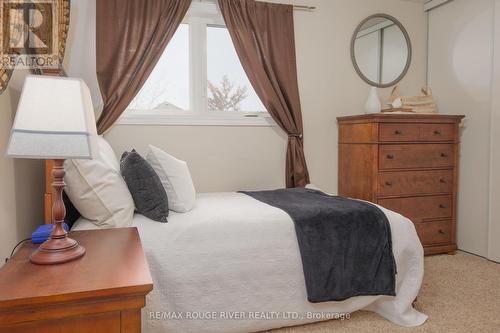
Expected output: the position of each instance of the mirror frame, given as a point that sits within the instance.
(408, 44)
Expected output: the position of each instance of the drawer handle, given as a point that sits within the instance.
(436, 132)
(442, 232)
(442, 181)
(390, 156)
(444, 155)
(398, 132)
(388, 183)
(442, 206)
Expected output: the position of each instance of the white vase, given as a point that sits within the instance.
(373, 104)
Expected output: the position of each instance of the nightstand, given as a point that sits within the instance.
(103, 291)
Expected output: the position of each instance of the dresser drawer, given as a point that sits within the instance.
(416, 132)
(395, 183)
(434, 232)
(420, 209)
(398, 132)
(437, 132)
(416, 156)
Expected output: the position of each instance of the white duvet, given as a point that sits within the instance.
(232, 264)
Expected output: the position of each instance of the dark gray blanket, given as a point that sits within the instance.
(345, 244)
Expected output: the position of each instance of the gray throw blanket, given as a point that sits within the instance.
(345, 244)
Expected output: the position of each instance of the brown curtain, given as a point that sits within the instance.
(131, 35)
(263, 35)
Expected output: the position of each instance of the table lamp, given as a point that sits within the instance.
(55, 120)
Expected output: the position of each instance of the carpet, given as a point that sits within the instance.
(460, 293)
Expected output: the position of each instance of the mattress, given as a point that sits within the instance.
(232, 264)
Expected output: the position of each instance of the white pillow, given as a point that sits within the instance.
(98, 191)
(176, 179)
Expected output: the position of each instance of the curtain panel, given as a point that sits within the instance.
(263, 35)
(131, 36)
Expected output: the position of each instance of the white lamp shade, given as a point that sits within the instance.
(54, 120)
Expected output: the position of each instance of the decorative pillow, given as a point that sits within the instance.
(176, 179)
(97, 189)
(145, 186)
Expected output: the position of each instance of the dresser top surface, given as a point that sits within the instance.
(114, 264)
(399, 117)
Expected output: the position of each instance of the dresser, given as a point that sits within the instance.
(102, 292)
(407, 163)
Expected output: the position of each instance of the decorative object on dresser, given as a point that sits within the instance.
(407, 163)
(55, 120)
(101, 293)
(397, 109)
(418, 104)
(373, 104)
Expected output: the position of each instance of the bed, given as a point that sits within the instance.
(232, 264)
(226, 262)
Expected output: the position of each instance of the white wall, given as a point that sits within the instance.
(233, 158)
(21, 190)
(460, 74)
(8, 232)
(80, 57)
(494, 228)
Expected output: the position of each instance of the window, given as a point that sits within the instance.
(199, 79)
(228, 85)
(167, 88)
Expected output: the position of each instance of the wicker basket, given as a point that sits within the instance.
(418, 104)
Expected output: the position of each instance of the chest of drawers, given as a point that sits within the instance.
(407, 163)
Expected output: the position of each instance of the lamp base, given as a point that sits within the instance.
(57, 251)
(59, 248)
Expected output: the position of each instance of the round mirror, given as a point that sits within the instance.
(381, 50)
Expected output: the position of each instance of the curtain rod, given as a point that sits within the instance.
(295, 7)
(303, 7)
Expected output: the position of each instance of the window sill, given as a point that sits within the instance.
(197, 119)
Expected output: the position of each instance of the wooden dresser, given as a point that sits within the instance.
(102, 292)
(407, 163)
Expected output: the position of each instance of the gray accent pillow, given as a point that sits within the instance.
(149, 196)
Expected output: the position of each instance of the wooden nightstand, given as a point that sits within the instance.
(102, 292)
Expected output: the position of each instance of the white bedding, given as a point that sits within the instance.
(234, 255)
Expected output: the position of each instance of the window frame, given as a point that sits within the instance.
(200, 16)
